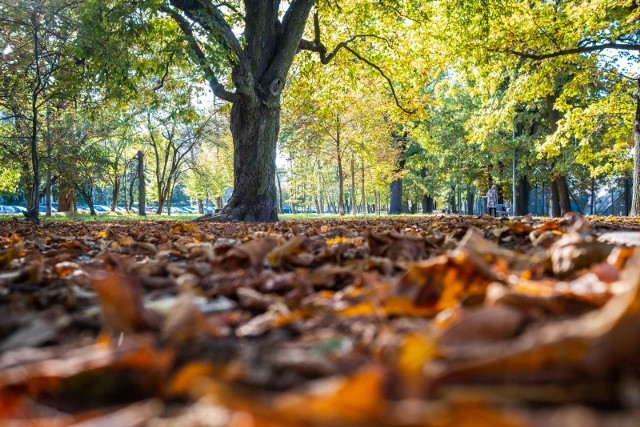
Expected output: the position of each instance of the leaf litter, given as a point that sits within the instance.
(427, 321)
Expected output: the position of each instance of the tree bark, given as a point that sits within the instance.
(592, 211)
(141, 185)
(341, 210)
(280, 202)
(354, 210)
(555, 200)
(363, 199)
(395, 197)
(66, 198)
(254, 127)
(470, 199)
(635, 198)
(452, 200)
(132, 184)
(115, 193)
(522, 197)
(260, 63)
(560, 193)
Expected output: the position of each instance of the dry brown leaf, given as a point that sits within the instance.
(247, 256)
(120, 298)
(396, 246)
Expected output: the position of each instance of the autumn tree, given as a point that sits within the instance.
(245, 50)
(37, 37)
(550, 51)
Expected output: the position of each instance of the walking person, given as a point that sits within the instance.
(492, 200)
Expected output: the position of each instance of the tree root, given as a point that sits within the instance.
(32, 216)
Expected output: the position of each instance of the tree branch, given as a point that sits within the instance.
(317, 46)
(292, 28)
(572, 51)
(209, 17)
(199, 56)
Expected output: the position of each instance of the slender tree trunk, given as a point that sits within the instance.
(33, 212)
(48, 178)
(341, 209)
(593, 197)
(395, 197)
(560, 196)
(555, 200)
(452, 200)
(627, 195)
(563, 191)
(141, 185)
(363, 199)
(354, 210)
(115, 194)
(124, 185)
(66, 197)
(470, 199)
(395, 201)
(522, 199)
(132, 185)
(47, 193)
(280, 202)
(376, 202)
(635, 198)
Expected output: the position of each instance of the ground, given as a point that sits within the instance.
(410, 321)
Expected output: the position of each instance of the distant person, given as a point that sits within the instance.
(492, 200)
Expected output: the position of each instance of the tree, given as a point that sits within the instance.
(250, 69)
(37, 35)
(553, 51)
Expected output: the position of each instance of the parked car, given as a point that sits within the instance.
(43, 209)
(7, 210)
(19, 209)
(190, 210)
(121, 210)
(102, 209)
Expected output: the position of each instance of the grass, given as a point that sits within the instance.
(61, 217)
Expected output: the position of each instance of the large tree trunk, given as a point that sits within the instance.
(254, 127)
(635, 198)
